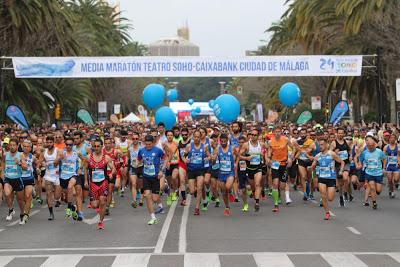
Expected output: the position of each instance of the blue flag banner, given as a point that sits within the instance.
(85, 116)
(15, 114)
(341, 108)
(246, 66)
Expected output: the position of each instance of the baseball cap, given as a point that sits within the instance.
(386, 133)
(6, 140)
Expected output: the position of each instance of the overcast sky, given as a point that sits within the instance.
(219, 27)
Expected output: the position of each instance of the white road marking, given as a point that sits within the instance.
(30, 215)
(71, 249)
(353, 230)
(272, 260)
(395, 256)
(131, 260)
(201, 260)
(62, 260)
(164, 230)
(1, 230)
(182, 230)
(95, 219)
(342, 259)
(4, 260)
(332, 214)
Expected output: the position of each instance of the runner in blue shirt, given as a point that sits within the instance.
(372, 159)
(327, 174)
(392, 170)
(151, 157)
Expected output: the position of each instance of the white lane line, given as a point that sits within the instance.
(164, 230)
(71, 249)
(272, 259)
(30, 215)
(342, 259)
(4, 260)
(182, 230)
(62, 260)
(201, 260)
(1, 230)
(395, 256)
(353, 230)
(131, 260)
(95, 219)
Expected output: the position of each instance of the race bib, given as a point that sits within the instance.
(98, 175)
(324, 172)
(225, 165)
(196, 158)
(255, 160)
(149, 170)
(343, 155)
(392, 160)
(275, 165)
(242, 165)
(303, 156)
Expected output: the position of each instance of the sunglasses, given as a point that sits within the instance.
(134, 139)
(69, 144)
(96, 146)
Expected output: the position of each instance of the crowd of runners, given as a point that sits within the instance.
(242, 162)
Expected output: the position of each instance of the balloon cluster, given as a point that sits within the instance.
(153, 97)
(195, 111)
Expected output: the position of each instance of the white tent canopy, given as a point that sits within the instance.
(131, 118)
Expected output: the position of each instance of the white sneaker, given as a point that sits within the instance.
(10, 215)
(288, 201)
(22, 222)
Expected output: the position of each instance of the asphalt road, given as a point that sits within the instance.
(296, 236)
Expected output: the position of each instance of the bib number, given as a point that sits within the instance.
(275, 165)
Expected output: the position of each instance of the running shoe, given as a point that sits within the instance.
(183, 202)
(366, 204)
(174, 196)
(351, 197)
(100, 226)
(288, 201)
(217, 203)
(58, 204)
(391, 195)
(374, 205)
(68, 213)
(107, 213)
(311, 197)
(21, 220)
(141, 202)
(122, 192)
(112, 204)
(10, 215)
(305, 197)
(196, 212)
(80, 216)
(152, 221)
(159, 210)
(327, 216)
(397, 186)
(25, 218)
(134, 204)
(204, 206)
(51, 217)
(257, 207)
(341, 201)
(227, 212)
(275, 209)
(320, 202)
(346, 197)
(169, 200)
(245, 207)
(39, 200)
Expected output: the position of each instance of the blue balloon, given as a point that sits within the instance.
(190, 101)
(211, 103)
(289, 94)
(172, 94)
(226, 108)
(197, 109)
(193, 113)
(153, 95)
(167, 116)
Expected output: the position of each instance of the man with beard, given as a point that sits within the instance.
(182, 165)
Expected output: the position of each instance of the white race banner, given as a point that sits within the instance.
(315, 102)
(91, 67)
(102, 107)
(117, 108)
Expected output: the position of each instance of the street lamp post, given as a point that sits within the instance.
(222, 88)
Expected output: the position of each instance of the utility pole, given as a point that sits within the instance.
(379, 84)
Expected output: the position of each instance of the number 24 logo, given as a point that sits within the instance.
(326, 63)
